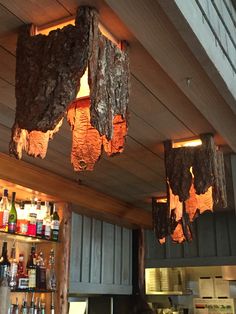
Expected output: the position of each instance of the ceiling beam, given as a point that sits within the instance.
(149, 24)
(84, 199)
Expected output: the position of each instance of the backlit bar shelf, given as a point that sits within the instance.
(33, 290)
(23, 237)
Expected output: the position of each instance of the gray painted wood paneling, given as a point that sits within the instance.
(214, 243)
(101, 257)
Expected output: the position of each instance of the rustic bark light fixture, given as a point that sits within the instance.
(195, 183)
(48, 73)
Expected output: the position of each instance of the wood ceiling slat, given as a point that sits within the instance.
(156, 33)
(7, 66)
(135, 177)
(36, 12)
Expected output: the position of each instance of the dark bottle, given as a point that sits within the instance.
(55, 224)
(12, 220)
(31, 307)
(4, 265)
(31, 268)
(41, 282)
(24, 309)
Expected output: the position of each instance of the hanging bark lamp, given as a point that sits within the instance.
(48, 73)
(195, 183)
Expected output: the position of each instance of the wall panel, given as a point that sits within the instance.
(101, 257)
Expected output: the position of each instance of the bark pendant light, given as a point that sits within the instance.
(48, 73)
(195, 183)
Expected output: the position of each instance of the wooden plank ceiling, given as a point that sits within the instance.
(159, 110)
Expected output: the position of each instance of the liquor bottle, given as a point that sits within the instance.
(4, 266)
(1, 214)
(24, 309)
(22, 221)
(47, 222)
(36, 306)
(31, 268)
(4, 210)
(39, 220)
(43, 310)
(39, 307)
(51, 274)
(55, 224)
(16, 307)
(13, 269)
(52, 308)
(22, 277)
(41, 282)
(31, 307)
(12, 220)
(32, 218)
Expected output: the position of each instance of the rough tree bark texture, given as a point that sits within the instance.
(109, 84)
(87, 143)
(196, 182)
(48, 72)
(49, 68)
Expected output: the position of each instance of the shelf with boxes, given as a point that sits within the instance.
(166, 281)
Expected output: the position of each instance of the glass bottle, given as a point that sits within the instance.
(12, 220)
(55, 224)
(32, 218)
(31, 268)
(24, 309)
(36, 306)
(52, 308)
(39, 220)
(4, 266)
(43, 310)
(22, 277)
(31, 307)
(13, 269)
(51, 274)
(22, 221)
(47, 222)
(16, 307)
(41, 282)
(4, 209)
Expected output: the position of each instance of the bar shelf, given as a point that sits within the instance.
(23, 237)
(32, 291)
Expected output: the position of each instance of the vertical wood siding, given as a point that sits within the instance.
(101, 257)
(214, 243)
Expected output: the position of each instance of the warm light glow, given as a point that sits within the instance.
(161, 199)
(84, 86)
(187, 143)
(46, 29)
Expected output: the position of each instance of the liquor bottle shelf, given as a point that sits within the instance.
(33, 290)
(23, 237)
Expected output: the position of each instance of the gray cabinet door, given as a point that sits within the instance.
(214, 243)
(101, 257)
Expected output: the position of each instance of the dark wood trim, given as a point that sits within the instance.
(88, 199)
